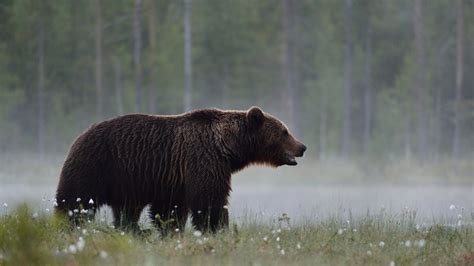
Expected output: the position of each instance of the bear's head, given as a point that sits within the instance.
(273, 143)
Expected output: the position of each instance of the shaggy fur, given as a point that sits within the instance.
(177, 164)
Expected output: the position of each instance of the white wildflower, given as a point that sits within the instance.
(298, 246)
(278, 230)
(35, 215)
(199, 241)
(354, 230)
(103, 254)
(91, 201)
(452, 207)
(75, 210)
(225, 207)
(278, 239)
(122, 233)
(72, 249)
(84, 211)
(5, 205)
(340, 231)
(197, 233)
(392, 263)
(84, 231)
(381, 244)
(282, 252)
(81, 243)
(179, 246)
(369, 253)
(176, 230)
(265, 238)
(421, 243)
(459, 216)
(70, 213)
(78, 199)
(47, 210)
(408, 243)
(55, 204)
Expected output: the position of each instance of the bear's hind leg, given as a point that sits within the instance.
(126, 218)
(76, 208)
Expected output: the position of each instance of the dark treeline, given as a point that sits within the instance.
(350, 77)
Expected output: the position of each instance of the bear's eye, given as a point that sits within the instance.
(285, 132)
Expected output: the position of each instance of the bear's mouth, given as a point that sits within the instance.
(290, 159)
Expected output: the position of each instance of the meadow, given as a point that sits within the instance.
(31, 237)
(336, 214)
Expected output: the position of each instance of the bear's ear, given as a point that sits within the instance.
(255, 117)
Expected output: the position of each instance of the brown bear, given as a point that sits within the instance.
(176, 164)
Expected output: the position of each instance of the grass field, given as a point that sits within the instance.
(31, 238)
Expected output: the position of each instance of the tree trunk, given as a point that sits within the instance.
(224, 81)
(348, 64)
(40, 85)
(323, 124)
(188, 77)
(438, 129)
(368, 89)
(137, 49)
(459, 78)
(98, 60)
(287, 64)
(420, 82)
(153, 61)
(118, 86)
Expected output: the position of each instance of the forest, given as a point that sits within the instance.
(351, 78)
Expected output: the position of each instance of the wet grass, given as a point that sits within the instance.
(31, 238)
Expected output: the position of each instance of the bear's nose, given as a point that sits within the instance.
(303, 148)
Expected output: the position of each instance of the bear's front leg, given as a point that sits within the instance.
(207, 192)
(212, 218)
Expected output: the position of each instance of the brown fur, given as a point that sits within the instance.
(177, 164)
